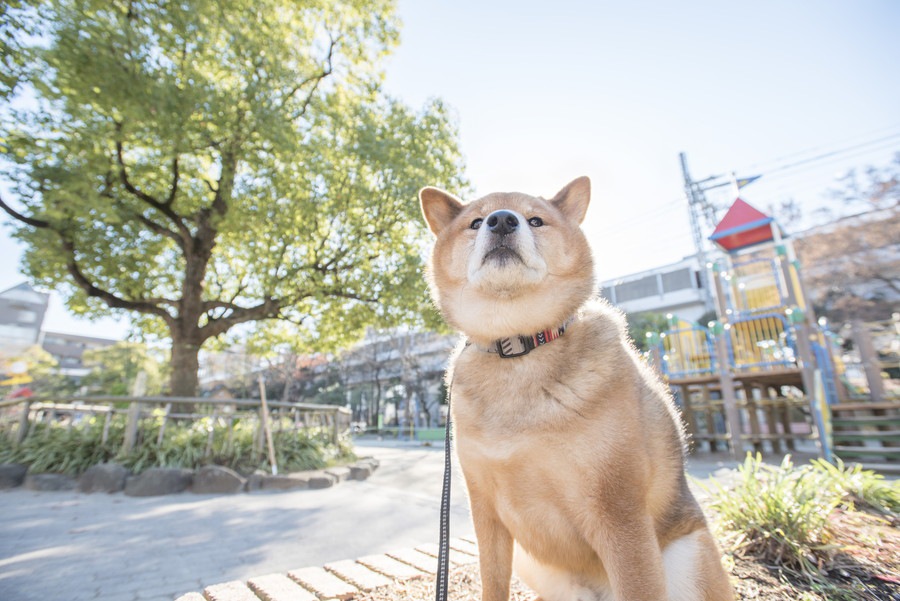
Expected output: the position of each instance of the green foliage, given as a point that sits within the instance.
(201, 165)
(61, 448)
(115, 368)
(17, 21)
(58, 448)
(858, 487)
(640, 324)
(43, 370)
(781, 514)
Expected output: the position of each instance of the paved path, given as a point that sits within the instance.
(68, 546)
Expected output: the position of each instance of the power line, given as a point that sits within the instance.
(836, 153)
(880, 131)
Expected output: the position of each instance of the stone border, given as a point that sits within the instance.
(209, 479)
(341, 580)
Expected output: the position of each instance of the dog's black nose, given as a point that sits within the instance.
(502, 222)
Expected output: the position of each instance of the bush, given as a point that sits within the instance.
(63, 449)
(860, 488)
(72, 449)
(780, 515)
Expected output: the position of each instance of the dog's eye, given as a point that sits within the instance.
(535, 222)
(476, 224)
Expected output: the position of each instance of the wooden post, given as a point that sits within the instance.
(721, 332)
(23, 422)
(131, 426)
(732, 417)
(106, 421)
(869, 358)
(266, 426)
(802, 335)
(756, 436)
(138, 389)
(162, 426)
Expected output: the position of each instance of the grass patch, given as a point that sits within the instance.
(785, 517)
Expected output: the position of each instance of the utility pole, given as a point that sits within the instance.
(697, 206)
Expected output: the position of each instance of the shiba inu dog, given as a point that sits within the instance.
(571, 447)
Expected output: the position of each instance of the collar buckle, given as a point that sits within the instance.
(517, 346)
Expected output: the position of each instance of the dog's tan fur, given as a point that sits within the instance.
(573, 453)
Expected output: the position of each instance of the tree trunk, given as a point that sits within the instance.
(185, 365)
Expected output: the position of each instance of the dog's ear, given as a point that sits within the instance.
(573, 200)
(439, 208)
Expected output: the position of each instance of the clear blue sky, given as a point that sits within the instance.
(547, 91)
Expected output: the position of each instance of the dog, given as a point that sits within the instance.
(571, 447)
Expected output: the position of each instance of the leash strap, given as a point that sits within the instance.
(443, 569)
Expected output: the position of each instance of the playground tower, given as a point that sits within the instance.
(761, 372)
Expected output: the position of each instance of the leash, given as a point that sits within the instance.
(443, 569)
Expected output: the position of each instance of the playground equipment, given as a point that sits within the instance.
(763, 373)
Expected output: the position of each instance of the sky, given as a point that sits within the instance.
(543, 92)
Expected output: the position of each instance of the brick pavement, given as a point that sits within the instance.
(342, 580)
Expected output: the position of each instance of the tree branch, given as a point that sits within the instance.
(38, 223)
(163, 207)
(315, 79)
(113, 301)
(269, 308)
(173, 190)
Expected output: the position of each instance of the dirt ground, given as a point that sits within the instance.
(864, 566)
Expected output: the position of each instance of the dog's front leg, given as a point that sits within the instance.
(629, 550)
(495, 548)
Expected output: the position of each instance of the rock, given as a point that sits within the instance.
(370, 461)
(104, 477)
(255, 480)
(360, 471)
(339, 473)
(49, 482)
(12, 475)
(159, 481)
(270, 482)
(322, 480)
(216, 479)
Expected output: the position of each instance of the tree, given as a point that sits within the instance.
(17, 22)
(39, 369)
(852, 265)
(639, 324)
(202, 167)
(115, 368)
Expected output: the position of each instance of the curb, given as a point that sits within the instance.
(169, 481)
(341, 580)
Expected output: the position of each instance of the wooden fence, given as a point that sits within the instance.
(18, 417)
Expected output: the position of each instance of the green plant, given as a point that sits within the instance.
(73, 448)
(778, 514)
(860, 487)
(64, 449)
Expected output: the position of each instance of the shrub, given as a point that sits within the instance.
(859, 487)
(73, 448)
(779, 514)
(64, 449)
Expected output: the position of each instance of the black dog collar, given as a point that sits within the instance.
(518, 346)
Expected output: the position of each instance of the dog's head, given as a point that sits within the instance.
(509, 263)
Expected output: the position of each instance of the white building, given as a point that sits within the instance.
(22, 311)
(675, 288)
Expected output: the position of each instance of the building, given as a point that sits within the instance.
(69, 349)
(675, 288)
(22, 311)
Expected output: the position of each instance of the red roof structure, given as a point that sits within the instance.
(743, 226)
